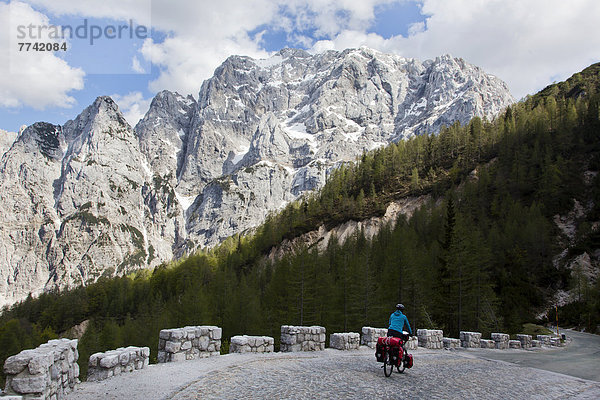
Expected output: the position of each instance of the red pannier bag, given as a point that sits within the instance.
(396, 350)
(408, 361)
(390, 341)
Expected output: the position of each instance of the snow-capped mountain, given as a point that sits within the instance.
(96, 197)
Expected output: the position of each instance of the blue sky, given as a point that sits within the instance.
(528, 44)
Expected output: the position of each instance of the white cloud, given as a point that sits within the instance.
(201, 35)
(204, 35)
(36, 79)
(184, 69)
(133, 106)
(136, 66)
(138, 10)
(526, 43)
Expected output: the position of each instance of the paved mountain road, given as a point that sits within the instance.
(436, 375)
(333, 374)
(581, 358)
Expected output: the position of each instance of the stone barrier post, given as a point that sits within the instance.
(48, 372)
(487, 344)
(470, 340)
(302, 338)
(514, 344)
(525, 341)
(501, 340)
(430, 338)
(251, 344)
(114, 362)
(189, 343)
(412, 343)
(450, 343)
(370, 335)
(555, 341)
(344, 341)
(544, 339)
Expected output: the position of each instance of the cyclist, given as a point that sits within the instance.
(397, 322)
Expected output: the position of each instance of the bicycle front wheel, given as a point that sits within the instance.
(400, 367)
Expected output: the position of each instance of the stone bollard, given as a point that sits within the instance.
(344, 341)
(514, 344)
(451, 343)
(501, 340)
(544, 339)
(251, 344)
(487, 344)
(188, 343)
(114, 362)
(470, 340)
(554, 341)
(525, 341)
(48, 372)
(430, 338)
(536, 343)
(412, 343)
(370, 335)
(302, 338)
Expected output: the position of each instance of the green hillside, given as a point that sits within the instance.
(478, 255)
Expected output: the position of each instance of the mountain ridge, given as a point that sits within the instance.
(111, 198)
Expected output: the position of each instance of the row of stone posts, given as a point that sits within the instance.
(51, 370)
(501, 341)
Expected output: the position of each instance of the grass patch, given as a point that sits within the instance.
(534, 330)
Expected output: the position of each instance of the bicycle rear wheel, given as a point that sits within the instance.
(387, 364)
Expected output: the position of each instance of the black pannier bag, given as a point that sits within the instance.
(379, 352)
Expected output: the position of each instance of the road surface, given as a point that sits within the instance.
(334, 374)
(581, 358)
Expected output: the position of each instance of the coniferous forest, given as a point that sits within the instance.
(481, 253)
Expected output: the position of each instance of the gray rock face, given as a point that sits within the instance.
(28, 219)
(95, 196)
(76, 202)
(99, 198)
(274, 128)
(6, 141)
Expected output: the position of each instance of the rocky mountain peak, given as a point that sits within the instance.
(162, 132)
(95, 118)
(291, 52)
(45, 138)
(165, 103)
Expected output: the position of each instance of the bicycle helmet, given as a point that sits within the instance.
(400, 307)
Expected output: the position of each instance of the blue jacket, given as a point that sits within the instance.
(398, 320)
